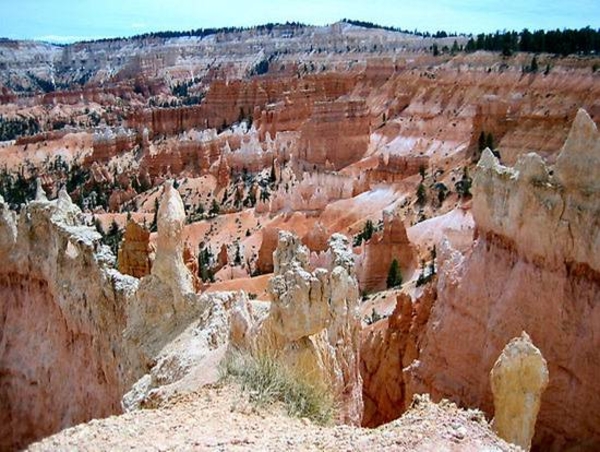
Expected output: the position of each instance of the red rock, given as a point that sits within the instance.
(134, 252)
(264, 263)
(386, 348)
(378, 253)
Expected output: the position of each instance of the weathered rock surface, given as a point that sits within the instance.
(62, 357)
(191, 360)
(168, 265)
(264, 263)
(519, 378)
(387, 347)
(165, 301)
(221, 417)
(533, 268)
(135, 250)
(313, 323)
(377, 254)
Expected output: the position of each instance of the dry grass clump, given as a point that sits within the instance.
(268, 381)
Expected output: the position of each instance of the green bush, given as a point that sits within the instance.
(268, 381)
(394, 277)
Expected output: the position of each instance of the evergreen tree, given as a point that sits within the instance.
(237, 259)
(454, 49)
(394, 277)
(214, 208)
(365, 234)
(154, 224)
(489, 141)
(463, 186)
(421, 195)
(534, 64)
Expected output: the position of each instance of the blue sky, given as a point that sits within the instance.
(69, 20)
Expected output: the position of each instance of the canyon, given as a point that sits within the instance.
(320, 195)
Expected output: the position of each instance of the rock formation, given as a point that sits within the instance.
(264, 263)
(191, 359)
(519, 378)
(62, 357)
(165, 300)
(134, 252)
(168, 265)
(377, 254)
(533, 268)
(312, 324)
(387, 348)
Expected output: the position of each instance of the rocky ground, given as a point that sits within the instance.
(220, 418)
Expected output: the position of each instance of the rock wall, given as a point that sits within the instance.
(376, 255)
(336, 135)
(134, 252)
(533, 268)
(387, 347)
(312, 325)
(62, 358)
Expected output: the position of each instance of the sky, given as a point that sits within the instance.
(71, 20)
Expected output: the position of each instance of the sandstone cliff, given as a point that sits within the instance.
(534, 268)
(62, 358)
(376, 255)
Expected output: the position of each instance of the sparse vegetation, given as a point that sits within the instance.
(463, 186)
(17, 127)
(394, 277)
(421, 194)
(366, 234)
(112, 238)
(268, 381)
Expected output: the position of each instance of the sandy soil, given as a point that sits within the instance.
(220, 418)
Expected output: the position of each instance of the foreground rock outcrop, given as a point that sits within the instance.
(519, 378)
(62, 357)
(534, 268)
(312, 324)
(222, 418)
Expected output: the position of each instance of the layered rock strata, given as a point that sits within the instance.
(377, 254)
(387, 348)
(62, 358)
(134, 252)
(534, 267)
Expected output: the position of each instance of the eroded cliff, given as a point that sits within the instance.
(533, 268)
(62, 358)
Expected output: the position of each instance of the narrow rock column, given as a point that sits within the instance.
(168, 265)
(519, 378)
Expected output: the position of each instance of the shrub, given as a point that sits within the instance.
(394, 277)
(268, 381)
(365, 234)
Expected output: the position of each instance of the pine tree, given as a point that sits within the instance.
(534, 64)
(214, 208)
(481, 141)
(421, 194)
(394, 277)
(237, 259)
(489, 141)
